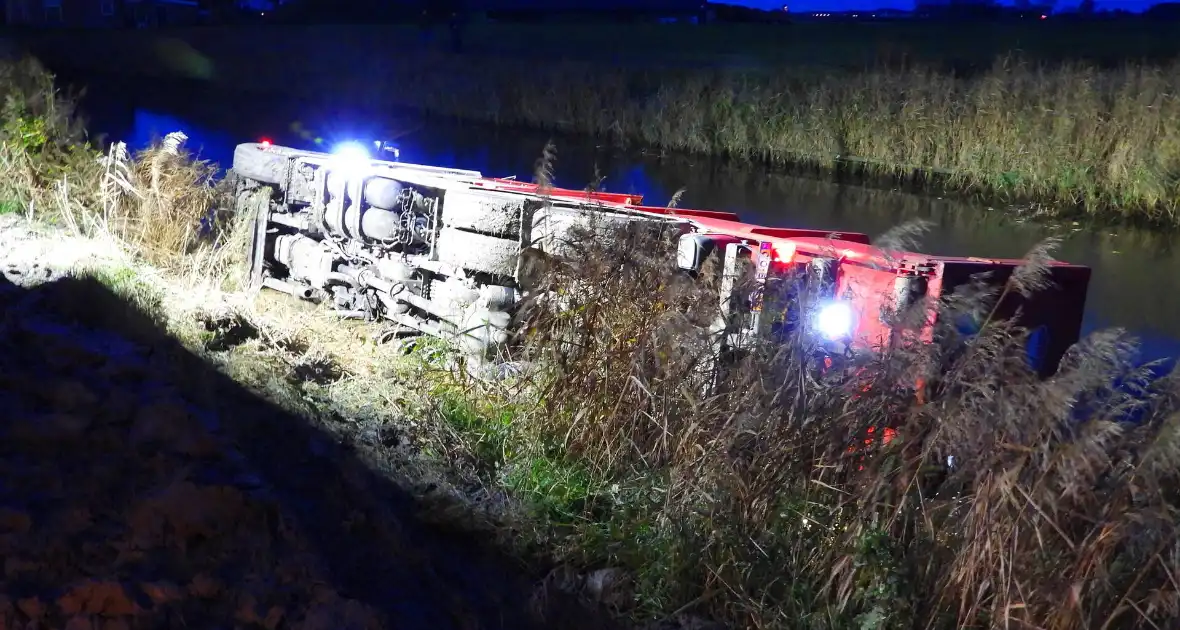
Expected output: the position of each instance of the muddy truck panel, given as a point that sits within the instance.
(435, 251)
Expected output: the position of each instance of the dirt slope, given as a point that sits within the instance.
(142, 488)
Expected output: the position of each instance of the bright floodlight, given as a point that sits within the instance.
(834, 320)
(351, 157)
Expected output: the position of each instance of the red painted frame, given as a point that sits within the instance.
(866, 272)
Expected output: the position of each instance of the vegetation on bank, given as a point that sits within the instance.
(1003, 111)
(158, 202)
(902, 101)
(609, 454)
(749, 503)
(1063, 137)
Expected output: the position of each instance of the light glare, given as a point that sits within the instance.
(834, 320)
(351, 157)
(351, 151)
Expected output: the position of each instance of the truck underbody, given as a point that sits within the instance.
(446, 252)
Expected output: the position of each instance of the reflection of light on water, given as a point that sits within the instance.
(635, 180)
(149, 126)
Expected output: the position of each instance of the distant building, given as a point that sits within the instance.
(62, 13)
(858, 15)
(100, 13)
(260, 5)
(466, 11)
(656, 6)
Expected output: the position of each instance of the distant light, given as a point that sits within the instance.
(1044, 17)
(265, 143)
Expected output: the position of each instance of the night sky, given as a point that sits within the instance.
(840, 5)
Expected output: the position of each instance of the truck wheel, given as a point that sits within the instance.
(478, 252)
(533, 269)
(266, 165)
(553, 227)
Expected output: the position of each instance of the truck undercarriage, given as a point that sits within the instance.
(449, 252)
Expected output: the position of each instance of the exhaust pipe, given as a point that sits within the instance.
(300, 291)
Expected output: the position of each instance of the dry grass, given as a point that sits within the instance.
(160, 204)
(743, 502)
(1065, 136)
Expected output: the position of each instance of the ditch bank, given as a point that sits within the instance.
(1017, 136)
(143, 486)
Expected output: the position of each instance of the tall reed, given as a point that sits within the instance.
(161, 203)
(1065, 136)
(754, 501)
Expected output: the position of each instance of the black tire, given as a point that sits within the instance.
(552, 226)
(534, 269)
(478, 252)
(268, 165)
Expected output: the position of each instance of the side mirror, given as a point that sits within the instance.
(692, 249)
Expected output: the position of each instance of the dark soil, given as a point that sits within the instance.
(141, 488)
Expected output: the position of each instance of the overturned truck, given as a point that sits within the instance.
(444, 252)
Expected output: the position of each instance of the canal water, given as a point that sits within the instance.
(1136, 281)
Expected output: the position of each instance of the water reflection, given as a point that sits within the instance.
(148, 126)
(1136, 284)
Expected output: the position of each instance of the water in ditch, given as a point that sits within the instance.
(1136, 281)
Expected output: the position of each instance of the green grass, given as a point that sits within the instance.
(485, 428)
(129, 284)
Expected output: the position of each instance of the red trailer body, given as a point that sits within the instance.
(867, 277)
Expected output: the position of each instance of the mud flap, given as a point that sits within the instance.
(256, 204)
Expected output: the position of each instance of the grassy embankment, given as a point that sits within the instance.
(1050, 135)
(742, 505)
(1056, 134)
(1059, 139)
